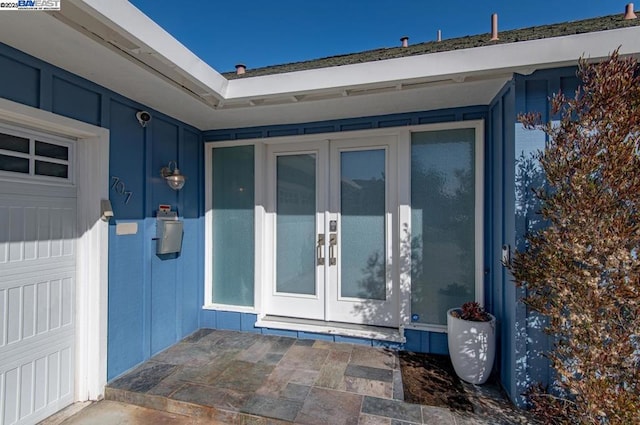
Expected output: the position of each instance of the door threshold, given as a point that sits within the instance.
(332, 328)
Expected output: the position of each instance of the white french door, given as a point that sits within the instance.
(331, 213)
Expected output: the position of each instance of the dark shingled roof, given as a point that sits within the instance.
(511, 36)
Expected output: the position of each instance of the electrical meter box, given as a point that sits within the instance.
(168, 232)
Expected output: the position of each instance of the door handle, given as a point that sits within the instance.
(333, 242)
(320, 249)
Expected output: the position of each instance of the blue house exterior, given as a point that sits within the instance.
(153, 301)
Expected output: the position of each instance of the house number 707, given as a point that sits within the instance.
(119, 187)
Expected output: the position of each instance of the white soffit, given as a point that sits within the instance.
(45, 37)
(383, 102)
(112, 43)
(127, 20)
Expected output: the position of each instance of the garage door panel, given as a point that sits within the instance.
(30, 233)
(37, 302)
(32, 310)
(36, 269)
(36, 386)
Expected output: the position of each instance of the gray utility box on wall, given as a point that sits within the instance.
(168, 233)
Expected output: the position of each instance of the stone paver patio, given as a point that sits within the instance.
(234, 377)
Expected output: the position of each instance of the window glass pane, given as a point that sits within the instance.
(296, 224)
(52, 151)
(50, 169)
(442, 222)
(233, 225)
(362, 226)
(14, 143)
(11, 163)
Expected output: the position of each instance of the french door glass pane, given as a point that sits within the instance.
(233, 225)
(442, 222)
(296, 224)
(362, 208)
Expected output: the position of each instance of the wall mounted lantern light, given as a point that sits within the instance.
(172, 175)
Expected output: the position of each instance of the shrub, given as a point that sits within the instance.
(582, 271)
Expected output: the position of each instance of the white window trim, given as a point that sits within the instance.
(403, 223)
(259, 220)
(478, 126)
(91, 163)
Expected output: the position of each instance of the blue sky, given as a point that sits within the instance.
(269, 32)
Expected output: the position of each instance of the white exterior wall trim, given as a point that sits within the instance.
(522, 57)
(126, 19)
(479, 62)
(92, 165)
(259, 213)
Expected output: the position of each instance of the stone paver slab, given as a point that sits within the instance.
(335, 346)
(393, 409)
(295, 392)
(201, 395)
(271, 407)
(331, 375)
(373, 420)
(374, 357)
(324, 406)
(304, 357)
(432, 415)
(144, 377)
(255, 352)
(366, 372)
(243, 376)
(366, 387)
(185, 354)
(197, 335)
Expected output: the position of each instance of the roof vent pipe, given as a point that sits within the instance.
(241, 69)
(405, 41)
(439, 35)
(628, 12)
(494, 27)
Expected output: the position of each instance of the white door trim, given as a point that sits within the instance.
(401, 268)
(92, 173)
(327, 304)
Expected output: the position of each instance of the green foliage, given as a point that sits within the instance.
(582, 271)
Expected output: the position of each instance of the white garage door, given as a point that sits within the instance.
(37, 277)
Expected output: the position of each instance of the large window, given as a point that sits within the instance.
(233, 202)
(443, 222)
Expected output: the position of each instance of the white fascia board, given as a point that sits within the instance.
(525, 56)
(127, 18)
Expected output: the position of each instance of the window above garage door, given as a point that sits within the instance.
(37, 156)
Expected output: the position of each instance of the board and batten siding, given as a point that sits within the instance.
(521, 337)
(153, 302)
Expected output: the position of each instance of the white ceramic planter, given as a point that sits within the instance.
(472, 347)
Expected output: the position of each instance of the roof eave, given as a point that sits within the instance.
(521, 57)
(154, 45)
